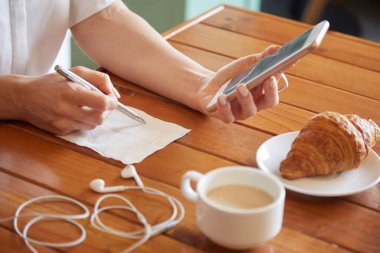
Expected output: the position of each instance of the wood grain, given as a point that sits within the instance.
(312, 67)
(327, 225)
(29, 163)
(12, 197)
(338, 46)
(9, 242)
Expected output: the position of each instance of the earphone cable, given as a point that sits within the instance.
(141, 235)
(149, 230)
(43, 216)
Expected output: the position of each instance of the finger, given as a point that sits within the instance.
(236, 67)
(66, 126)
(270, 97)
(83, 115)
(259, 90)
(80, 96)
(101, 80)
(280, 81)
(270, 50)
(116, 92)
(224, 110)
(278, 76)
(247, 104)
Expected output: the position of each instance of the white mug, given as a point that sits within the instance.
(230, 227)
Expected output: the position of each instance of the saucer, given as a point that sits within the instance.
(273, 151)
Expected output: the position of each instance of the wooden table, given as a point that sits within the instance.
(343, 76)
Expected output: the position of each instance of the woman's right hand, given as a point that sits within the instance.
(59, 106)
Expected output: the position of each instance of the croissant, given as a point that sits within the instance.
(330, 142)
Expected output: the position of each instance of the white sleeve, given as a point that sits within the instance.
(82, 9)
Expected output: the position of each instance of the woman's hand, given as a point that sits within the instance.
(57, 105)
(248, 102)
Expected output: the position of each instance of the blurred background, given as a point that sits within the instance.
(355, 17)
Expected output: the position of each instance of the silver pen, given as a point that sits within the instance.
(77, 79)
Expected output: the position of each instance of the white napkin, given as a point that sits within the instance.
(127, 140)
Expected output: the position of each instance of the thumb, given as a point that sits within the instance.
(101, 80)
(235, 67)
(268, 51)
(244, 63)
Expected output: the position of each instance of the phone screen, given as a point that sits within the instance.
(266, 63)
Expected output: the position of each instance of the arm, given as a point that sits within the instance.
(117, 31)
(125, 44)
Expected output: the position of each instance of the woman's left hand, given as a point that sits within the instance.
(248, 103)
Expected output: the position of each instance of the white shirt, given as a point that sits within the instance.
(32, 31)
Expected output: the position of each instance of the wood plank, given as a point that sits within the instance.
(9, 241)
(51, 165)
(365, 198)
(339, 75)
(312, 67)
(20, 191)
(342, 47)
(304, 244)
(191, 22)
(319, 98)
(330, 215)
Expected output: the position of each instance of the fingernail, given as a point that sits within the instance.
(243, 90)
(273, 82)
(223, 100)
(115, 92)
(113, 102)
(106, 115)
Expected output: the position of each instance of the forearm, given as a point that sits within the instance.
(9, 104)
(125, 44)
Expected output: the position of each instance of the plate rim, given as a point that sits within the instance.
(261, 166)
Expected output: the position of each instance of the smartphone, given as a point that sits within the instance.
(282, 59)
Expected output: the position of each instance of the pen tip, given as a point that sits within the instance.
(57, 67)
(139, 119)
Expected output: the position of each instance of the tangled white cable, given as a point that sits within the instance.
(98, 185)
(43, 216)
(144, 234)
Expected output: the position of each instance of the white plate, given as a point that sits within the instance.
(273, 151)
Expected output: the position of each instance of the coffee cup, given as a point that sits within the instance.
(222, 213)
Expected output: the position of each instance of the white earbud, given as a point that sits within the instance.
(98, 185)
(130, 172)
